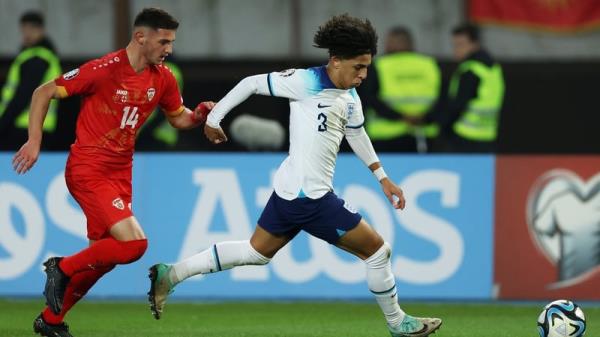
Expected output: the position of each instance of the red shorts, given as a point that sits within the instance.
(104, 201)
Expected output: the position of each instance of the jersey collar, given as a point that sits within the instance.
(324, 80)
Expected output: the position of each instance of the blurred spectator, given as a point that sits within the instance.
(157, 133)
(36, 64)
(399, 93)
(475, 95)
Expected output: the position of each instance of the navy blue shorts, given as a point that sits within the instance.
(327, 218)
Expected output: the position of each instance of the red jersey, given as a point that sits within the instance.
(116, 101)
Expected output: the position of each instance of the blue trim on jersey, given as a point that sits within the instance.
(217, 258)
(353, 93)
(355, 127)
(301, 194)
(270, 85)
(323, 80)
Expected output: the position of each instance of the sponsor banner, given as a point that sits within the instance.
(551, 15)
(547, 234)
(442, 242)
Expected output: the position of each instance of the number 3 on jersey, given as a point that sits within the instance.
(130, 119)
(323, 119)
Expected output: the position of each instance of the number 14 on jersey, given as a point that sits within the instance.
(130, 117)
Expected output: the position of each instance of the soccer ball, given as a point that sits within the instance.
(561, 318)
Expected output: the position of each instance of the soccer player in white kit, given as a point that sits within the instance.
(324, 108)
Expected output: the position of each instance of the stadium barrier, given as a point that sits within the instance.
(443, 242)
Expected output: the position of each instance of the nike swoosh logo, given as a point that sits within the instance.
(321, 106)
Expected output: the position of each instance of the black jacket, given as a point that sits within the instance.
(467, 90)
(32, 73)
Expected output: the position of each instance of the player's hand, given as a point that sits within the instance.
(202, 110)
(393, 193)
(26, 157)
(215, 135)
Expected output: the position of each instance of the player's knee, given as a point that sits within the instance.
(387, 249)
(134, 250)
(255, 258)
(381, 257)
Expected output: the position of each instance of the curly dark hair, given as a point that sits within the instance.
(347, 37)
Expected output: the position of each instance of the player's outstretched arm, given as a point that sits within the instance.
(28, 154)
(189, 119)
(256, 84)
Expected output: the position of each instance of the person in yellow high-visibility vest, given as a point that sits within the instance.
(400, 94)
(36, 64)
(475, 95)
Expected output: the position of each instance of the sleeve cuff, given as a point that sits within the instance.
(61, 91)
(175, 113)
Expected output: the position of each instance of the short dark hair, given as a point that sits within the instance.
(468, 29)
(402, 32)
(32, 17)
(347, 37)
(155, 18)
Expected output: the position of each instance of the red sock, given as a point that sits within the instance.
(103, 254)
(78, 286)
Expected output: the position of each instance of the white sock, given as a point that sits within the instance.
(382, 284)
(221, 256)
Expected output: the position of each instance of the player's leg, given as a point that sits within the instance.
(126, 246)
(364, 242)
(259, 250)
(50, 324)
(339, 224)
(228, 254)
(118, 236)
(272, 233)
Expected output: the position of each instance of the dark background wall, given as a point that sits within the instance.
(550, 107)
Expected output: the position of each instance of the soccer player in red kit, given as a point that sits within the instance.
(119, 91)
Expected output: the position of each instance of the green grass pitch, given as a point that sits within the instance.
(269, 319)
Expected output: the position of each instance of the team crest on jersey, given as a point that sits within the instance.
(119, 204)
(287, 72)
(150, 93)
(71, 74)
(350, 109)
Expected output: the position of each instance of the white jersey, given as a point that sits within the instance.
(319, 116)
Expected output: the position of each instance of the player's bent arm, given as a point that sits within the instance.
(363, 148)
(361, 145)
(257, 84)
(28, 154)
(182, 119)
(40, 100)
